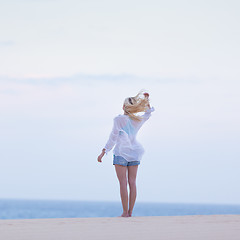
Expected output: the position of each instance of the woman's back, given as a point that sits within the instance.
(124, 134)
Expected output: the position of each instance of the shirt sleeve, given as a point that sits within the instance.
(113, 136)
(147, 115)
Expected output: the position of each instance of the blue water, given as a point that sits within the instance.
(28, 209)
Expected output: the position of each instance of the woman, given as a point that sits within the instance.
(128, 152)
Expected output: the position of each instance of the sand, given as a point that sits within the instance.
(207, 227)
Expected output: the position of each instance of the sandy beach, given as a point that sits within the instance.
(212, 227)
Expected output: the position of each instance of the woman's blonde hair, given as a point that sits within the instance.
(133, 105)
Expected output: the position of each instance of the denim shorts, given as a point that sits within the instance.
(122, 161)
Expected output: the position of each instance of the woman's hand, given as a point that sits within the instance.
(101, 156)
(146, 95)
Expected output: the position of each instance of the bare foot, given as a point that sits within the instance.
(129, 214)
(124, 215)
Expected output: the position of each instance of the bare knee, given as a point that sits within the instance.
(132, 182)
(123, 182)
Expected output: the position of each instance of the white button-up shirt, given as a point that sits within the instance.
(123, 136)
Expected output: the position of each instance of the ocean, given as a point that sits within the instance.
(30, 209)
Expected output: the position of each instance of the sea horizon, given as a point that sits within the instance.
(33, 208)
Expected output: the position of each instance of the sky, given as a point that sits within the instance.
(66, 68)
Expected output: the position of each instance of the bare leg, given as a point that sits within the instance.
(132, 174)
(121, 174)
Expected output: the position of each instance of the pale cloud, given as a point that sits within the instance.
(7, 43)
(83, 79)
